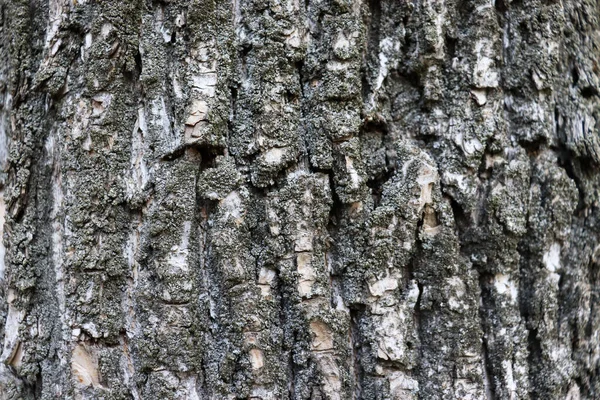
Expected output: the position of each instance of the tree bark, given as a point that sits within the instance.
(285, 199)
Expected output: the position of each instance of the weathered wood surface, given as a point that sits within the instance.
(285, 199)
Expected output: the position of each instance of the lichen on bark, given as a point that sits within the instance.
(328, 199)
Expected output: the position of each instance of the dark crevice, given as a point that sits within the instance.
(356, 314)
(373, 33)
(589, 91)
(461, 219)
(534, 358)
(575, 75)
(233, 98)
(566, 161)
(484, 320)
(337, 208)
(557, 124)
(534, 147)
(451, 43)
(500, 6)
(379, 178)
(204, 154)
(138, 63)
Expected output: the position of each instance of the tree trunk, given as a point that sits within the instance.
(285, 199)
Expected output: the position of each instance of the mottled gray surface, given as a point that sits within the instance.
(320, 199)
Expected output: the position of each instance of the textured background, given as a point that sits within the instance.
(319, 199)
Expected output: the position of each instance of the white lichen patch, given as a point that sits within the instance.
(232, 206)
(510, 382)
(274, 156)
(139, 175)
(341, 46)
(303, 240)
(177, 258)
(335, 65)
(551, 258)
(469, 145)
(385, 47)
(457, 180)
(107, 27)
(504, 285)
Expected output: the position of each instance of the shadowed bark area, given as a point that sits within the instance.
(285, 199)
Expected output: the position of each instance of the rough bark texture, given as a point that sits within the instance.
(285, 199)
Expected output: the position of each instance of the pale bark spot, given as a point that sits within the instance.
(456, 179)
(198, 112)
(2, 220)
(205, 83)
(334, 65)
(293, 39)
(483, 73)
(322, 336)
(84, 367)
(232, 206)
(11, 353)
(511, 385)
(385, 46)
(331, 375)
(306, 272)
(504, 284)
(573, 393)
(257, 358)
(55, 47)
(427, 176)
(91, 329)
(480, 96)
(403, 386)
(265, 278)
(354, 178)
(106, 29)
(177, 258)
(273, 156)
(551, 258)
(471, 146)
(342, 43)
(383, 285)
(100, 103)
(303, 241)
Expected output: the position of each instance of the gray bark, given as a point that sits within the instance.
(285, 199)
